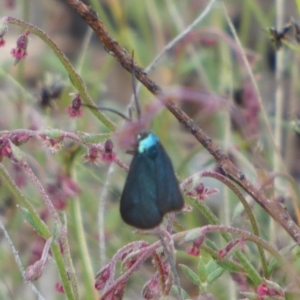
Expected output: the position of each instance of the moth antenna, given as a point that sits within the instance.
(108, 109)
(136, 100)
(130, 111)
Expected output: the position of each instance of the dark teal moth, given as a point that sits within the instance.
(151, 189)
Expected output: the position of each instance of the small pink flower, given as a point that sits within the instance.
(54, 144)
(74, 110)
(59, 288)
(262, 290)
(192, 250)
(108, 154)
(20, 52)
(268, 289)
(200, 192)
(92, 155)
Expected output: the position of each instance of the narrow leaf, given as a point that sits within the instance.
(185, 295)
(31, 220)
(214, 275)
(190, 274)
(202, 269)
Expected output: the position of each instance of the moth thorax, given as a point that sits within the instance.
(147, 144)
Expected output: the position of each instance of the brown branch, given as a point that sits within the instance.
(274, 208)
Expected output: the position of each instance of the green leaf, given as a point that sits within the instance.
(211, 244)
(202, 269)
(17, 153)
(214, 275)
(174, 290)
(31, 220)
(230, 266)
(211, 266)
(190, 274)
(214, 271)
(273, 265)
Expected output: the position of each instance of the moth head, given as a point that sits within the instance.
(147, 142)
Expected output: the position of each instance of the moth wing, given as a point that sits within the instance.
(169, 197)
(138, 205)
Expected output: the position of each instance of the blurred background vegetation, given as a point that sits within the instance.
(205, 66)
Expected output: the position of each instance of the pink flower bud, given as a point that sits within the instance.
(108, 154)
(59, 288)
(35, 271)
(74, 110)
(20, 52)
(102, 277)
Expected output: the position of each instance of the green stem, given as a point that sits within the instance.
(62, 271)
(88, 275)
(279, 111)
(68, 261)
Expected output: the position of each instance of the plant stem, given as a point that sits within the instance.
(278, 111)
(88, 274)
